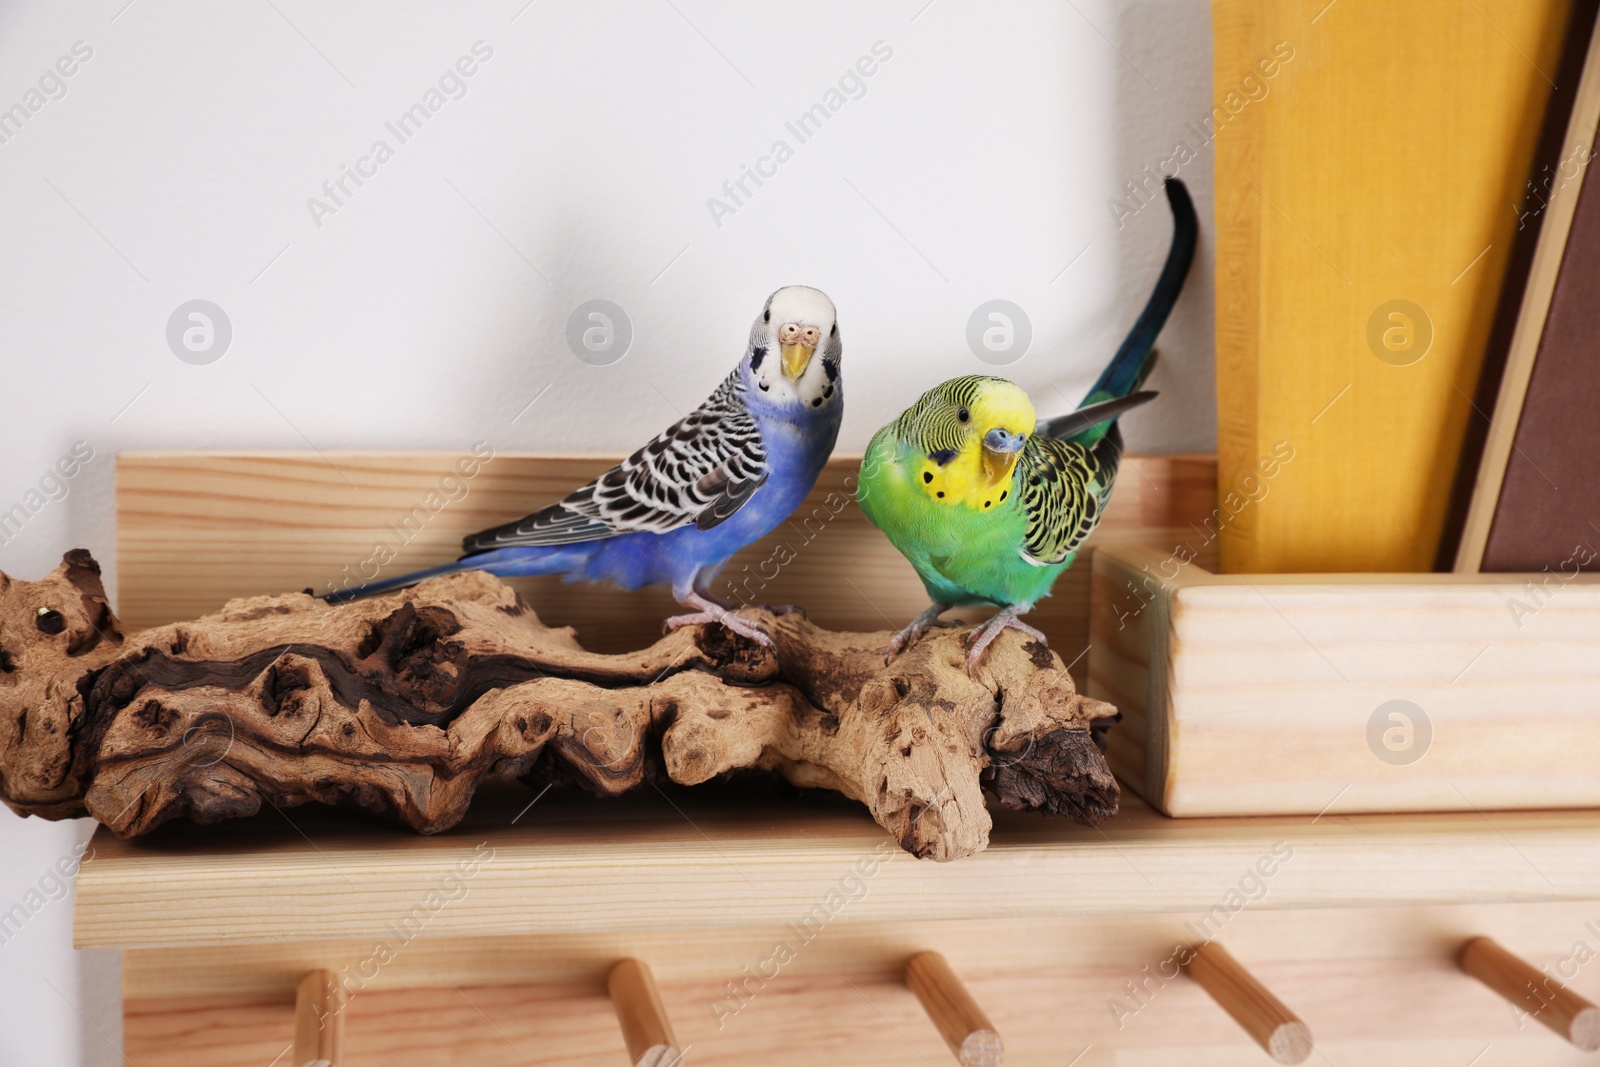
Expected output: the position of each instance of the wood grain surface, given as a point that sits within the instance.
(1050, 1018)
(1278, 694)
(711, 857)
(1543, 932)
(195, 529)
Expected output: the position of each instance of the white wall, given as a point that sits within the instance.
(430, 307)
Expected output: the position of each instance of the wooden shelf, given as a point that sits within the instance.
(505, 962)
(735, 857)
(1048, 927)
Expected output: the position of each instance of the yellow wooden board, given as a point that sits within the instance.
(195, 529)
(1366, 195)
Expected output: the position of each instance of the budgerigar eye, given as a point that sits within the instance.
(964, 415)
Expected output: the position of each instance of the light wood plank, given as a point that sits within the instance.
(1049, 1017)
(1544, 932)
(1266, 694)
(708, 858)
(195, 529)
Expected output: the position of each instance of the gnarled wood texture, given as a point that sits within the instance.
(407, 702)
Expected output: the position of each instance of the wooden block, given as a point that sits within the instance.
(1280, 694)
(961, 1022)
(1347, 179)
(1539, 994)
(646, 1030)
(318, 1022)
(1263, 1016)
(195, 529)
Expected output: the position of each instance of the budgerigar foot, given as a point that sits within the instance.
(985, 634)
(713, 612)
(742, 627)
(925, 621)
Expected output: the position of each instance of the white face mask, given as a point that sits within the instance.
(797, 338)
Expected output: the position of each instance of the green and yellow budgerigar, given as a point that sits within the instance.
(989, 504)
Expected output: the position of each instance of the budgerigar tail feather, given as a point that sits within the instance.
(517, 561)
(389, 585)
(1129, 368)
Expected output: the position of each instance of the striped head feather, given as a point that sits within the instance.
(966, 434)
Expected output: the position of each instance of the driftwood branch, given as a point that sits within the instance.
(407, 702)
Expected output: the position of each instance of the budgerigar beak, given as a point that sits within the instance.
(1000, 448)
(796, 357)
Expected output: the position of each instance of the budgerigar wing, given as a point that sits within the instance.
(1065, 487)
(699, 471)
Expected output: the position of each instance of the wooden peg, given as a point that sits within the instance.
(318, 1021)
(1541, 995)
(966, 1029)
(645, 1027)
(1263, 1016)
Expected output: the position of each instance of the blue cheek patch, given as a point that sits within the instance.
(943, 456)
(757, 354)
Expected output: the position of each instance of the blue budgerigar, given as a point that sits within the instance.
(711, 483)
